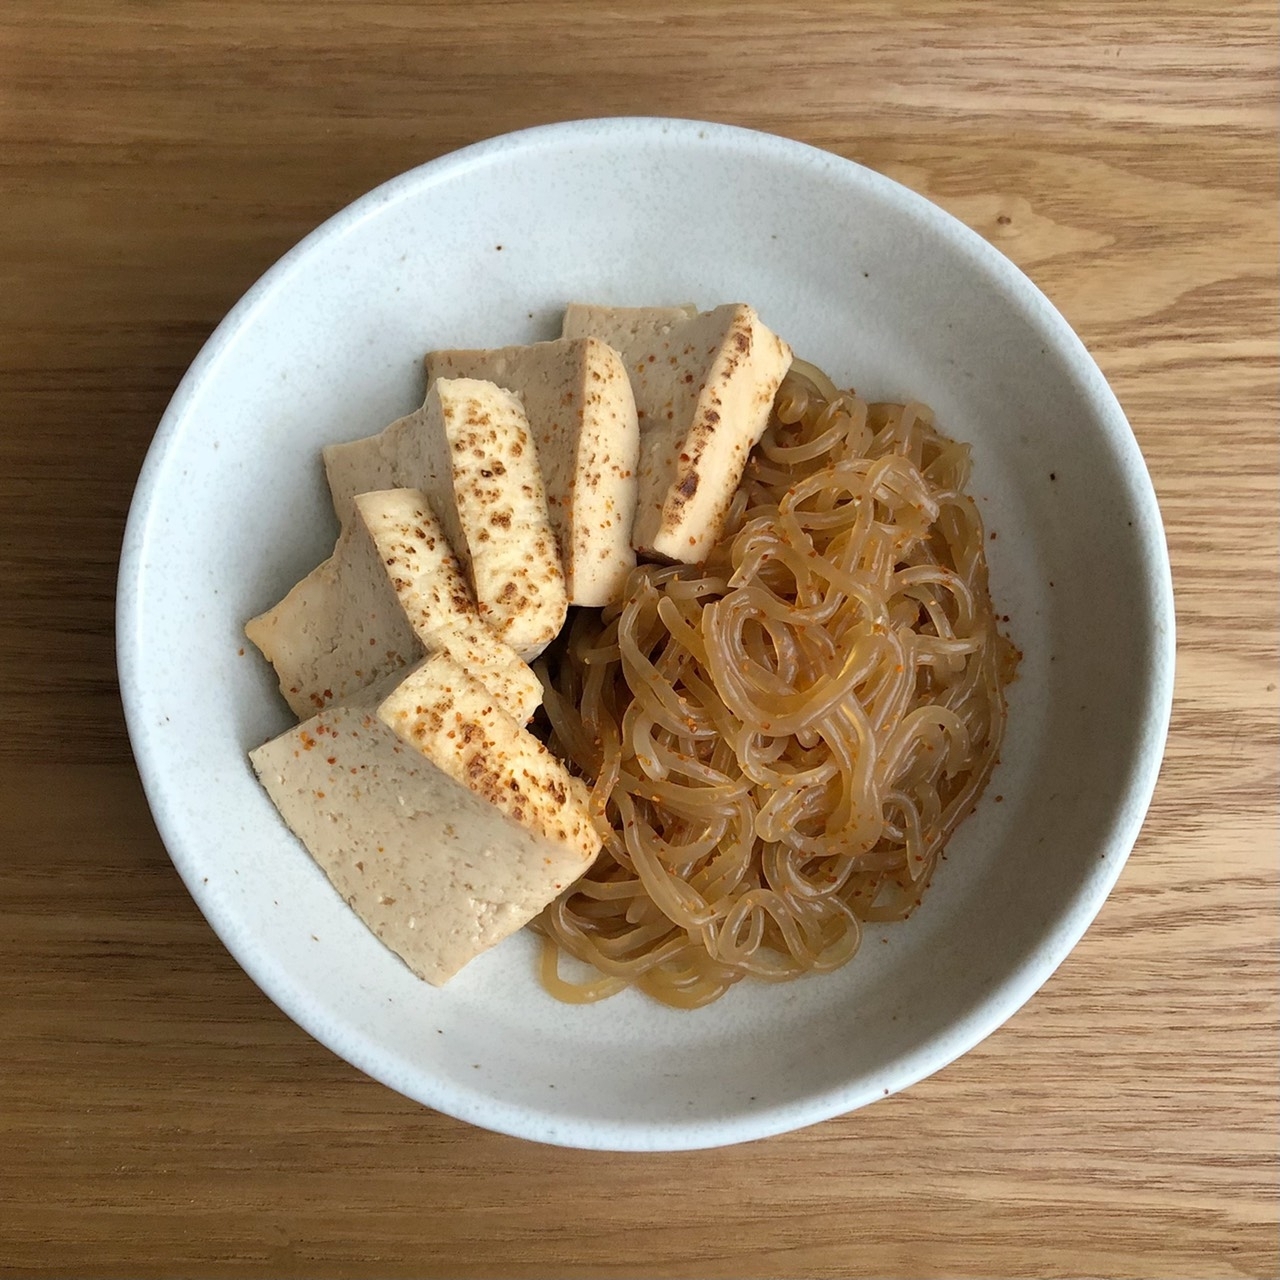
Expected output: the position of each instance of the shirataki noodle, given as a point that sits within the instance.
(782, 739)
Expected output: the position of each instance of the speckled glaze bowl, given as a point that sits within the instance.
(872, 282)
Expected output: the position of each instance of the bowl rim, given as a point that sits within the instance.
(1006, 996)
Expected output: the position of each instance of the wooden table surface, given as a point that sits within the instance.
(158, 1115)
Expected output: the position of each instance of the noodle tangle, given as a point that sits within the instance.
(781, 740)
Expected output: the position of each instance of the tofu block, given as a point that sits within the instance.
(704, 386)
(391, 591)
(435, 870)
(582, 414)
(483, 480)
(470, 450)
(448, 716)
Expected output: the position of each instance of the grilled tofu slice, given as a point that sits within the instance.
(448, 716)
(435, 869)
(582, 413)
(485, 483)
(704, 386)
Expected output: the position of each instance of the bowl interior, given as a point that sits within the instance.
(885, 292)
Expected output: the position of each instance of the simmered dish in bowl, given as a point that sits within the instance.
(766, 682)
(480, 251)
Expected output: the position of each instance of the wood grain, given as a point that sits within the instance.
(157, 1115)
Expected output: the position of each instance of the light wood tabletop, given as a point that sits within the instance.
(158, 1115)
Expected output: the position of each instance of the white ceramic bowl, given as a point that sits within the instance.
(882, 289)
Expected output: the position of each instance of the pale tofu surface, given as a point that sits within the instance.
(393, 459)
(704, 386)
(391, 591)
(436, 871)
(485, 484)
(582, 415)
(337, 630)
(455, 722)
